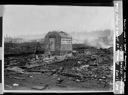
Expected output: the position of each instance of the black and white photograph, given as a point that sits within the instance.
(1, 12)
(58, 48)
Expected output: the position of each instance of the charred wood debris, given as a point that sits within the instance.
(85, 64)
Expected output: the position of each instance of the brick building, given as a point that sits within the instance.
(58, 43)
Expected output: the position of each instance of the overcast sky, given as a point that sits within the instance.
(35, 20)
(30, 19)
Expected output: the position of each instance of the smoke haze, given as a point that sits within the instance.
(100, 39)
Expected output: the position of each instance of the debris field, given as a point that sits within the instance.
(80, 71)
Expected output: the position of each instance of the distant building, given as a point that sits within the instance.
(13, 40)
(58, 43)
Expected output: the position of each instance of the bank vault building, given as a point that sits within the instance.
(58, 43)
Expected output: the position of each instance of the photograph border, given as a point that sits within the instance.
(114, 76)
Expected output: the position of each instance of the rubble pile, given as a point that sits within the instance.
(79, 68)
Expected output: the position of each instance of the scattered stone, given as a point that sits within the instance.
(15, 84)
(77, 80)
(59, 81)
(8, 86)
(16, 69)
(20, 78)
(40, 87)
(30, 76)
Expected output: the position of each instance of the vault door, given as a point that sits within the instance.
(52, 44)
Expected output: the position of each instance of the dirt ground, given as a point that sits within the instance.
(44, 81)
(78, 73)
